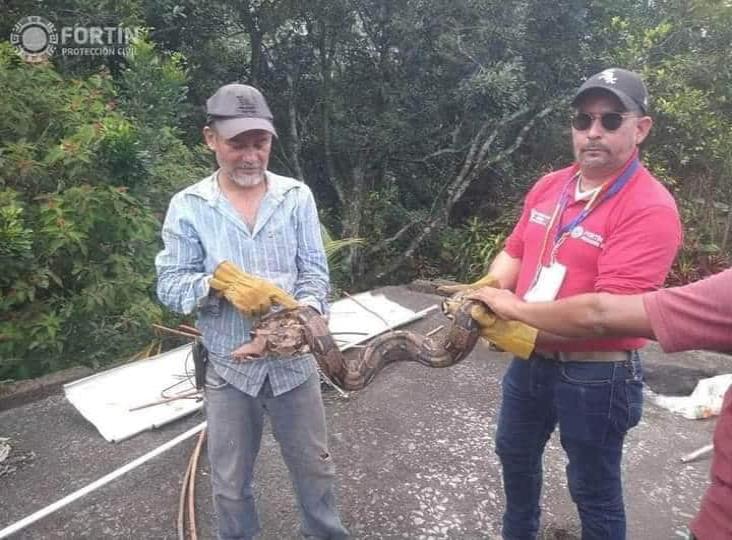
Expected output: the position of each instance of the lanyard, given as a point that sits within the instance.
(614, 188)
(597, 199)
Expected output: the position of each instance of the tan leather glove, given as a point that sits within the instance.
(486, 281)
(512, 336)
(249, 294)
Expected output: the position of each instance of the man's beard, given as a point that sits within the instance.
(245, 179)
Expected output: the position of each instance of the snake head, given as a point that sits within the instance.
(278, 334)
(252, 350)
(458, 305)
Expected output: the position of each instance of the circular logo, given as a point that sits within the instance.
(35, 38)
(577, 232)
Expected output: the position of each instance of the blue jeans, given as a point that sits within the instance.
(235, 422)
(595, 404)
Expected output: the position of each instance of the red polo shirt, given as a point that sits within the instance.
(626, 245)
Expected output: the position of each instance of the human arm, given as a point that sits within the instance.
(183, 283)
(582, 316)
(695, 316)
(313, 281)
(505, 269)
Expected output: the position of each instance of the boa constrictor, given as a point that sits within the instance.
(300, 330)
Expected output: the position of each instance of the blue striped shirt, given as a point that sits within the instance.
(202, 229)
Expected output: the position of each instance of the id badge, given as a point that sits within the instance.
(547, 285)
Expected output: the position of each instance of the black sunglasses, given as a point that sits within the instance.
(610, 120)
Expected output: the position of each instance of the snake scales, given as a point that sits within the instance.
(296, 331)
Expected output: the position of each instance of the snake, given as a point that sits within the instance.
(286, 333)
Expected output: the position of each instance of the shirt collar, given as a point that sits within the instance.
(277, 186)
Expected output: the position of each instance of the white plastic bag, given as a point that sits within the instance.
(704, 401)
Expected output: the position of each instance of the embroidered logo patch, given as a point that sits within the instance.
(608, 76)
(539, 218)
(245, 106)
(591, 238)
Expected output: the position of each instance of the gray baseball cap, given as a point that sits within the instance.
(237, 108)
(626, 85)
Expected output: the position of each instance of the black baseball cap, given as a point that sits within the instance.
(626, 85)
(237, 108)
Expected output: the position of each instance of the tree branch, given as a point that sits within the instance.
(519, 139)
(474, 163)
(295, 142)
(325, 116)
(383, 244)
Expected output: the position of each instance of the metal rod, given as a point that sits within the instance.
(382, 319)
(433, 332)
(50, 509)
(190, 329)
(332, 384)
(176, 332)
(696, 454)
(415, 317)
(184, 395)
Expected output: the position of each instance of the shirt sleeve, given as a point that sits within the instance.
(182, 282)
(637, 254)
(695, 316)
(515, 241)
(313, 281)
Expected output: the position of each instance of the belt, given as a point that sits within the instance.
(586, 356)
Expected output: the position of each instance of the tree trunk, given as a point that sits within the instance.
(354, 219)
(727, 230)
(325, 116)
(295, 143)
(256, 57)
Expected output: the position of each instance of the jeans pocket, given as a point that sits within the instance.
(583, 410)
(627, 405)
(586, 372)
(214, 381)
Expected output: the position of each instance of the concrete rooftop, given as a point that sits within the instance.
(414, 452)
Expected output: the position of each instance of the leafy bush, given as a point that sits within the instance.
(80, 187)
(469, 249)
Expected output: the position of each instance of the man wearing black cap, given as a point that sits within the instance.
(236, 243)
(602, 224)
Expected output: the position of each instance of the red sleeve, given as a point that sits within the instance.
(695, 316)
(638, 254)
(515, 241)
(714, 520)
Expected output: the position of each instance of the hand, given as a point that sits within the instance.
(502, 302)
(249, 294)
(512, 336)
(486, 281)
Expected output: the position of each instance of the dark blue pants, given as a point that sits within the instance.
(595, 404)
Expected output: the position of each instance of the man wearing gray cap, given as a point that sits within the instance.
(236, 243)
(602, 224)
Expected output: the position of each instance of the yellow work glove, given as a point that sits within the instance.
(249, 294)
(486, 281)
(512, 336)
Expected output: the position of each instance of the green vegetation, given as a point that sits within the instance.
(419, 125)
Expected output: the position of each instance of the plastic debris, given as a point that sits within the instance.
(704, 402)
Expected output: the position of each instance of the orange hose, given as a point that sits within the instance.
(192, 486)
